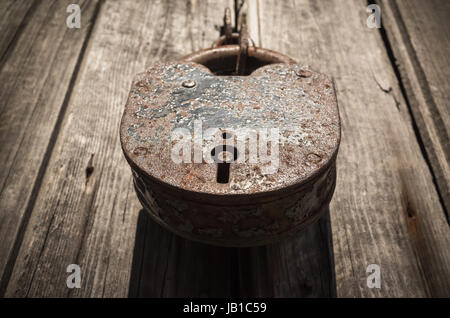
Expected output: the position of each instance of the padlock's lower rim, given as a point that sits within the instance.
(241, 242)
(244, 241)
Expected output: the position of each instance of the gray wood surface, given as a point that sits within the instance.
(13, 16)
(419, 32)
(67, 194)
(36, 79)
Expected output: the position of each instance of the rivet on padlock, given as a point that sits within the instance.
(240, 143)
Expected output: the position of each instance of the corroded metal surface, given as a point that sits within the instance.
(237, 221)
(252, 207)
(304, 109)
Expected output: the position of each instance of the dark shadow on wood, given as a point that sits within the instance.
(166, 265)
(298, 266)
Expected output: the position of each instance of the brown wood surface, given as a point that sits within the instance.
(67, 194)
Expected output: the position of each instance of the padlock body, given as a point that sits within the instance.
(284, 174)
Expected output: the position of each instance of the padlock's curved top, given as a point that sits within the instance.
(283, 123)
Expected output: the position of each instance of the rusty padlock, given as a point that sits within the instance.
(234, 145)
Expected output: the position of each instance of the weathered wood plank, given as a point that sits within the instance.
(386, 209)
(35, 79)
(180, 268)
(420, 40)
(86, 211)
(171, 266)
(299, 266)
(14, 15)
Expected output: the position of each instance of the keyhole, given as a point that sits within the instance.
(223, 164)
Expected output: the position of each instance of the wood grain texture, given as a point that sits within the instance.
(35, 79)
(386, 209)
(166, 265)
(14, 16)
(86, 211)
(67, 190)
(299, 266)
(419, 32)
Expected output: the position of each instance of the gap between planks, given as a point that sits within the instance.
(418, 55)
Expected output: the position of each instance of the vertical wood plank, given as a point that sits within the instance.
(420, 40)
(170, 266)
(35, 80)
(299, 266)
(14, 16)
